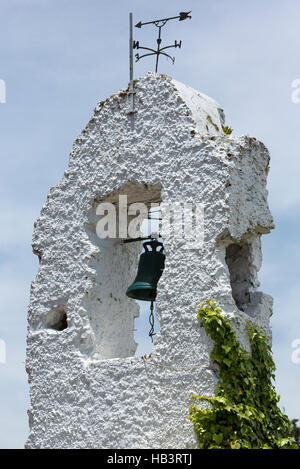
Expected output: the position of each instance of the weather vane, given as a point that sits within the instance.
(160, 50)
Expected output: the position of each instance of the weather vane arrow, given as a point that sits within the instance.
(183, 15)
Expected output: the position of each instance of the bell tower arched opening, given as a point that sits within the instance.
(113, 315)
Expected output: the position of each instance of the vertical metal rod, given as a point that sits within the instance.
(130, 48)
(149, 223)
(131, 90)
(158, 48)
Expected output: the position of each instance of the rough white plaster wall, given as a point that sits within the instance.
(80, 399)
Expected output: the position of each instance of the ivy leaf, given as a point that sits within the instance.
(227, 348)
(235, 445)
(227, 361)
(218, 438)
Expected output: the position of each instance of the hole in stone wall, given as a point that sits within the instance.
(237, 259)
(57, 319)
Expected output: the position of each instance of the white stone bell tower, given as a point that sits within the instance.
(87, 387)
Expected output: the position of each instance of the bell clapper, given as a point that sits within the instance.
(151, 320)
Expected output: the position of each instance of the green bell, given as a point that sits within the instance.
(150, 268)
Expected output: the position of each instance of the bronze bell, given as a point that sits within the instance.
(150, 268)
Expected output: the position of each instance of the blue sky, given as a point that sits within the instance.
(60, 57)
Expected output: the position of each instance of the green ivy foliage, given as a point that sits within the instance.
(296, 431)
(244, 413)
